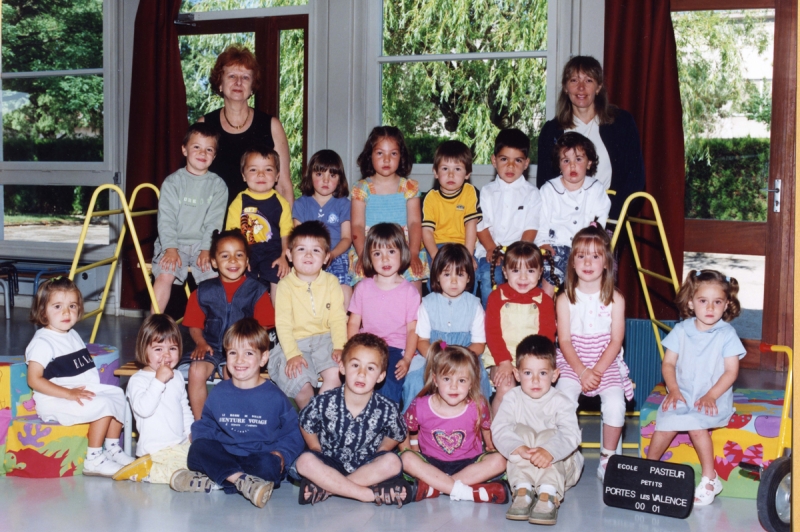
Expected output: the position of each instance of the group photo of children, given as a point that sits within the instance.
(370, 342)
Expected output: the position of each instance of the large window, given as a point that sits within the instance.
(56, 144)
(463, 69)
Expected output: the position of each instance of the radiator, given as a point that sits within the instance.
(642, 357)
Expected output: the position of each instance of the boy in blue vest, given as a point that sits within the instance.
(249, 432)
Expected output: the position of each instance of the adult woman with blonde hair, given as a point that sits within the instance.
(583, 107)
(235, 77)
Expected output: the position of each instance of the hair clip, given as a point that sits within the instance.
(697, 273)
(727, 279)
(443, 344)
(54, 279)
(593, 224)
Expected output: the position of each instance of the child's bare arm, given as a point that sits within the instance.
(411, 349)
(387, 444)
(423, 344)
(488, 444)
(281, 262)
(564, 336)
(617, 335)
(471, 236)
(201, 346)
(429, 242)
(295, 365)
(477, 347)
(39, 384)
(353, 325)
(668, 371)
(358, 223)
(486, 240)
(312, 440)
(414, 222)
(345, 242)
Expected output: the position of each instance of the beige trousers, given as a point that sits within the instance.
(167, 461)
(563, 475)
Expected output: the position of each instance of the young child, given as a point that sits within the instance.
(248, 434)
(351, 431)
(453, 421)
(449, 313)
(263, 216)
(324, 199)
(190, 208)
(309, 317)
(510, 207)
(517, 309)
(569, 203)
(450, 212)
(65, 381)
(700, 364)
(385, 195)
(537, 430)
(157, 396)
(216, 305)
(591, 327)
(385, 304)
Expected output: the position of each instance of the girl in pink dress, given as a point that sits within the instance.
(452, 418)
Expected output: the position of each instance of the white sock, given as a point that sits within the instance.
(112, 444)
(93, 452)
(551, 491)
(529, 491)
(460, 492)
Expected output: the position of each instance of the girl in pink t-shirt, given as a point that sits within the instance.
(452, 419)
(385, 304)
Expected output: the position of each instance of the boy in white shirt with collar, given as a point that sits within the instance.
(509, 204)
(570, 202)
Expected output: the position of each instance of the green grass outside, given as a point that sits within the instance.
(30, 219)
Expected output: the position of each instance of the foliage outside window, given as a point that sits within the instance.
(469, 100)
(716, 52)
(199, 6)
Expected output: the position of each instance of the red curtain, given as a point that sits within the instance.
(641, 75)
(158, 121)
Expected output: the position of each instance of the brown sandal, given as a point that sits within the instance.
(310, 493)
(393, 491)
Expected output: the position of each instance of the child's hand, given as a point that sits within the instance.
(401, 369)
(548, 248)
(171, 260)
(707, 405)
(523, 451)
(540, 457)
(200, 351)
(204, 260)
(416, 265)
(474, 264)
(79, 394)
(590, 380)
(164, 373)
(294, 366)
(279, 455)
(337, 355)
(358, 267)
(283, 266)
(671, 401)
(504, 374)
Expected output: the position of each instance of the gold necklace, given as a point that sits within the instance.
(237, 128)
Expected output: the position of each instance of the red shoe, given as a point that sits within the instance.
(494, 492)
(423, 491)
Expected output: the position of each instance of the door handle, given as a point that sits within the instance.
(776, 199)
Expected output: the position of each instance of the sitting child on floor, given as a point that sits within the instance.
(351, 432)
(537, 430)
(157, 396)
(453, 419)
(248, 434)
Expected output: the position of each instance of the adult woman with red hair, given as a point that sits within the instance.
(235, 77)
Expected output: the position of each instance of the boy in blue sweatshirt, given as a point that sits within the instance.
(249, 432)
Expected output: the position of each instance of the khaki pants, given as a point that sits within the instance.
(563, 475)
(167, 461)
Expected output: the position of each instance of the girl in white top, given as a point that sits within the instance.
(569, 202)
(158, 398)
(65, 380)
(590, 315)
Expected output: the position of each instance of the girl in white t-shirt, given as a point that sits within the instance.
(157, 395)
(65, 381)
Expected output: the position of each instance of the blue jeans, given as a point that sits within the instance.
(392, 388)
(484, 278)
(211, 458)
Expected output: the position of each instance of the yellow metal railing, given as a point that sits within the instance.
(129, 215)
(785, 432)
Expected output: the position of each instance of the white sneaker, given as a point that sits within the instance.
(116, 454)
(100, 466)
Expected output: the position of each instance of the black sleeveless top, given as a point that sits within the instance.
(233, 145)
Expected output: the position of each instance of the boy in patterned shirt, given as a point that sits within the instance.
(350, 432)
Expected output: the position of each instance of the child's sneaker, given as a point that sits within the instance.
(185, 480)
(116, 454)
(100, 466)
(521, 507)
(136, 471)
(256, 490)
(494, 492)
(544, 512)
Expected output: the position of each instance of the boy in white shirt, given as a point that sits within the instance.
(570, 202)
(509, 204)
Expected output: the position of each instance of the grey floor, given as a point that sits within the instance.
(84, 504)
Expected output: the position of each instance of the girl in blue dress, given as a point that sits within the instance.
(700, 364)
(385, 195)
(450, 313)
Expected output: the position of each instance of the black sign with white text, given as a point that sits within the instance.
(649, 486)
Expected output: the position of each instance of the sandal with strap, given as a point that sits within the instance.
(393, 491)
(310, 493)
(704, 496)
(605, 456)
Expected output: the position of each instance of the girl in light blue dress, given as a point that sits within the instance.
(450, 313)
(700, 364)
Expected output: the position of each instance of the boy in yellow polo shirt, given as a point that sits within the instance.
(309, 318)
